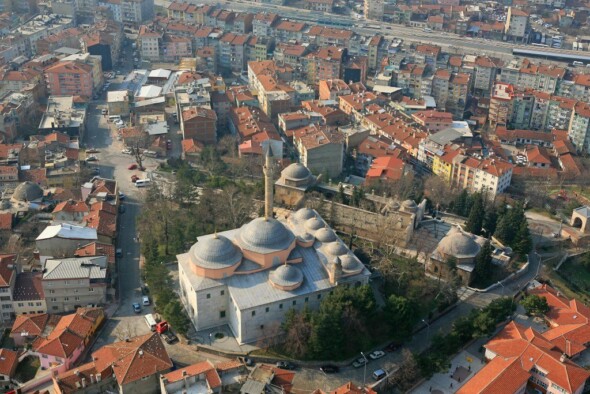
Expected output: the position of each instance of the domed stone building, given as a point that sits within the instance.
(290, 188)
(457, 245)
(248, 278)
(27, 192)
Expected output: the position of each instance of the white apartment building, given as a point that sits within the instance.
(489, 176)
(149, 43)
(133, 12)
(374, 9)
(579, 127)
(115, 7)
(516, 24)
(40, 27)
(7, 280)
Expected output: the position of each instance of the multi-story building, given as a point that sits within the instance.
(288, 30)
(440, 88)
(320, 149)
(579, 126)
(258, 48)
(559, 113)
(176, 47)
(373, 9)
(28, 297)
(325, 63)
(331, 89)
(70, 78)
(581, 88)
(243, 23)
(199, 124)
(232, 52)
(433, 121)
(7, 281)
(39, 27)
(149, 42)
(489, 176)
(134, 12)
(71, 282)
(484, 76)
(263, 24)
(457, 99)
(516, 27)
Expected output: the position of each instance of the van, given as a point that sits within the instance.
(119, 253)
(145, 301)
(142, 182)
(150, 321)
(114, 118)
(379, 374)
(577, 63)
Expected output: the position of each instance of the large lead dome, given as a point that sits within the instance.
(215, 252)
(264, 235)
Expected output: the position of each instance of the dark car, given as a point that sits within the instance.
(136, 307)
(392, 347)
(285, 365)
(169, 337)
(329, 369)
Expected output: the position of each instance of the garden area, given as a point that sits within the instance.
(27, 369)
(573, 277)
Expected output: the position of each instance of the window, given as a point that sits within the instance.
(37, 304)
(319, 296)
(280, 306)
(222, 292)
(294, 302)
(31, 304)
(208, 296)
(267, 309)
(253, 313)
(91, 289)
(7, 306)
(306, 299)
(21, 304)
(53, 299)
(66, 298)
(221, 314)
(51, 291)
(76, 298)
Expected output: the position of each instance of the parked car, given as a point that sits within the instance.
(104, 111)
(249, 362)
(136, 307)
(392, 347)
(126, 151)
(91, 158)
(376, 354)
(379, 374)
(359, 362)
(169, 337)
(132, 166)
(329, 369)
(122, 196)
(92, 150)
(285, 365)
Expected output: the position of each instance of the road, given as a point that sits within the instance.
(452, 42)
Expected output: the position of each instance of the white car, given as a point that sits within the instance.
(376, 354)
(126, 151)
(119, 122)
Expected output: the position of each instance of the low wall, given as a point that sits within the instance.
(512, 276)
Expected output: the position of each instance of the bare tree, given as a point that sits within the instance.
(124, 331)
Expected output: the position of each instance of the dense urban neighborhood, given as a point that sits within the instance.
(294, 196)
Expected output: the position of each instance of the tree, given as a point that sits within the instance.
(523, 242)
(535, 305)
(401, 315)
(476, 215)
(176, 316)
(483, 324)
(460, 204)
(483, 263)
(407, 374)
(490, 220)
(297, 328)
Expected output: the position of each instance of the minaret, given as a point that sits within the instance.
(268, 184)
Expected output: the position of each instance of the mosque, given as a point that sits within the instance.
(249, 277)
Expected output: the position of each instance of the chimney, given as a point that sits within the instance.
(91, 378)
(98, 377)
(563, 358)
(83, 382)
(77, 372)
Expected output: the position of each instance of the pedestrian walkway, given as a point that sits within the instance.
(463, 366)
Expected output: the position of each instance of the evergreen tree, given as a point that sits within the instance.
(490, 220)
(401, 315)
(483, 262)
(523, 242)
(176, 316)
(476, 215)
(460, 205)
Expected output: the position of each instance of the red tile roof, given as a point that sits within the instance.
(133, 359)
(71, 206)
(8, 362)
(28, 287)
(97, 249)
(7, 270)
(204, 367)
(6, 221)
(388, 168)
(29, 325)
(501, 375)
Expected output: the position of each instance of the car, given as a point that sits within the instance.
(92, 150)
(104, 111)
(249, 362)
(145, 300)
(136, 307)
(377, 354)
(379, 374)
(134, 178)
(91, 158)
(119, 122)
(122, 196)
(132, 166)
(126, 151)
(359, 362)
(285, 365)
(392, 347)
(169, 337)
(118, 72)
(329, 369)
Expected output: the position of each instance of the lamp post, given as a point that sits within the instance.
(500, 283)
(427, 329)
(364, 370)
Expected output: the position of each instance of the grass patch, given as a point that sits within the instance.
(576, 277)
(7, 341)
(27, 369)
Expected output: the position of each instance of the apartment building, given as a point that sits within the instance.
(320, 149)
(7, 281)
(258, 48)
(559, 113)
(373, 9)
(149, 42)
(581, 88)
(199, 124)
(134, 12)
(181, 11)
(72, 282)
(325, 63)
(263, 22)
(243, 23)
(516, 26)
(331, 89)
(70, 78)
(291, 55)
(484, 76)
(176, 48)
(232, 52)
(433, 121)
(28, 296)
(459, 87)
(489, 176)
(527, 75)
(440, 88)
(579, 127)
(39, 27)
(287, 30)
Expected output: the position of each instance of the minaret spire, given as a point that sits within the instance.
(268, 185)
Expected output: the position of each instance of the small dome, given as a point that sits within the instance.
(459, 244)
(314, 224)
(286, 276)
(215, 252)
(350, 263)
(305, 237)
(296, 171)
(304, 214)
(409, 206)
(395, 206)
(325, 235)
(336, 248)
(27, 191)
(264, 235)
